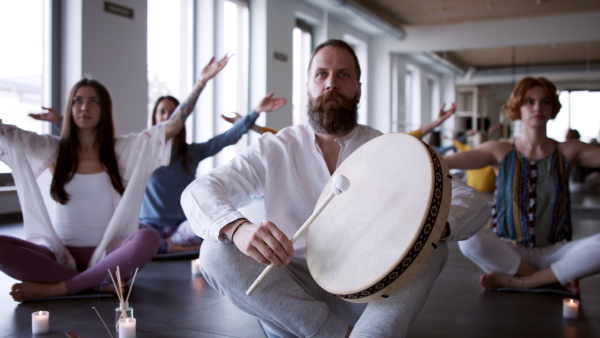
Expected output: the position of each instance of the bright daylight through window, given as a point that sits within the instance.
(23, 64)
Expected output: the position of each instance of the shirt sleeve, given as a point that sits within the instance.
(469, 212)
(231, 136)
(269, 130)
(40, 150)
(148, 148)
(212, 201)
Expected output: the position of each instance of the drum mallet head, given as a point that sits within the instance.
(340, 184)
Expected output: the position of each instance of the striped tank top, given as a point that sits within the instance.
(529, 211)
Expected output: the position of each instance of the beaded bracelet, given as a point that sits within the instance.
(236, 229)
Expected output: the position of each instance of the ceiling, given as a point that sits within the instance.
(410, 13)
(541, 50)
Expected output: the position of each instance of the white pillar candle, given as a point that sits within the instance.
(127, 328)
(196, 267)
(40, 322)
(570, 308)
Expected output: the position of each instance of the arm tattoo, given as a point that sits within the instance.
(179, 113)
(185, 109)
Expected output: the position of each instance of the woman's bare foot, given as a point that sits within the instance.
(494, 280)
(25, 291)
(111, 288)
(573, 286)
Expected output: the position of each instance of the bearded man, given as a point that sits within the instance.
(290, 170)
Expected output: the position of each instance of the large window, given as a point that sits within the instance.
(24, 62)
(170, 70)
(579, 111)
(302, 50)
(234, 91)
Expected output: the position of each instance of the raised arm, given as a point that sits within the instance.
(443, 115)
(52, 116)
(267, 104)
(185, 109)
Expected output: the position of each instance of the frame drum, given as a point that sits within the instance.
(370, 240)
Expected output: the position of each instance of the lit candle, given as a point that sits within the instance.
(570, 308)
(127, 328)
(196, 267)
(40, 322)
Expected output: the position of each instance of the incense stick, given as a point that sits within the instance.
(115, 284)
(111, 336)
(131, 286)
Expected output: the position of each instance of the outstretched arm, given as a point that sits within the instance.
(52, 116)
(489, 153)
(581, 154)
(442, 116)
(258, 129)
(185, 109)
(267, 104)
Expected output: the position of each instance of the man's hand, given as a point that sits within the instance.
(264, 242)
(51, 115)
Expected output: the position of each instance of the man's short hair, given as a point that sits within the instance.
(336, 43)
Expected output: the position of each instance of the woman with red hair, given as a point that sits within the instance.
(528, 243)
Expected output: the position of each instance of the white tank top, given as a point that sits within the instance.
(83, 220)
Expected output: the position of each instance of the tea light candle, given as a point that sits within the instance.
(196, 267)
(127, 328)
(570, 308)
(40, 322)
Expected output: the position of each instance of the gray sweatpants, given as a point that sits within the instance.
(291, 304)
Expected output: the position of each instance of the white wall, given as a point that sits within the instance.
(111, 49)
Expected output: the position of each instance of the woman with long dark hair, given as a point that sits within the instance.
(161, 210)
(77, 194)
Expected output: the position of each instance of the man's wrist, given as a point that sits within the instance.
(227, 230)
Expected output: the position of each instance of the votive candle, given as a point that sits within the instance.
(40, 322)
(127, 328)
(570, 308)
(196, 267)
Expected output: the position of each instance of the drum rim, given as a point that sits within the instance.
(426, 230)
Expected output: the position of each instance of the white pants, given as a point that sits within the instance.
(568, 260)
(291, 304)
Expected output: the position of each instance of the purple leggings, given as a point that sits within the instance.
(25, 261)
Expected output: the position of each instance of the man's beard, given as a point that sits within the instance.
(335, 119)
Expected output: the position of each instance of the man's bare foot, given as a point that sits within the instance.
(494, 280)
(25, 291)
(184, 248)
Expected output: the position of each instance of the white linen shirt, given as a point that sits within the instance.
(289, 170)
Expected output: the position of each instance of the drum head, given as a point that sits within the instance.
(373, 234)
